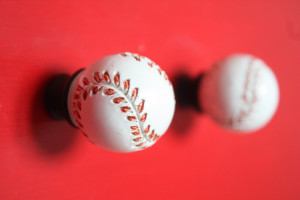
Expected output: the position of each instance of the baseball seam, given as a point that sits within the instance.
(150, 63)
(108, 87)
(249, 96)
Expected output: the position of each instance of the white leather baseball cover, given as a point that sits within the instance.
(122, 102)
(240, 93)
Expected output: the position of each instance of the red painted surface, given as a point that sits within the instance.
(44, 159)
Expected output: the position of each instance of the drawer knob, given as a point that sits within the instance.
(123, 102)
(240, 93)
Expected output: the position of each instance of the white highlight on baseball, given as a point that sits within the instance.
(122, 102)
(240, 93)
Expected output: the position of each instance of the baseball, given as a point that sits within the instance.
(240, 93)
(122, 102)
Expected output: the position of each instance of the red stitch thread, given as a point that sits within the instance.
(79, 105)
(125, 109)
(159, 70)
(151, 134)
(126, 84)
(134, 93)
(141, 144)
(136, 133)
(166, 77)
(117, 79)
(151, 63)
(118, 100)
(141, 106)
(95, 89)
(109, 91)
(144, 117)
(134, 128)
(137, 58)
(137, 139)
(85, 81)
(85, 94)
(249, 101)
(147, 129)
(97, 77)
(106, 77)
(131, 118)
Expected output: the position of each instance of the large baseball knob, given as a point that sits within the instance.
(122, 102)
(240, 93)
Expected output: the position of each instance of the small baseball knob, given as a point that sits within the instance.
(122, 102)
(240, 93)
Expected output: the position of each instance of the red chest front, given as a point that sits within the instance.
(44, 159)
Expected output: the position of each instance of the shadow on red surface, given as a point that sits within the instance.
(52, 137)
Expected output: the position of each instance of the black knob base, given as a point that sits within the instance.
(186, 91)
(56, 96)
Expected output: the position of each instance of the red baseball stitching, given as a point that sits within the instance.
(250, 86)
(149, 63)
(108, 87)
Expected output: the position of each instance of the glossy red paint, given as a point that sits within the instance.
(45, 159)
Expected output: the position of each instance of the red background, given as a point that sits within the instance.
(44, 159)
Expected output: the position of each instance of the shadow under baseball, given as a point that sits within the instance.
(188, 107)
(51, 136)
